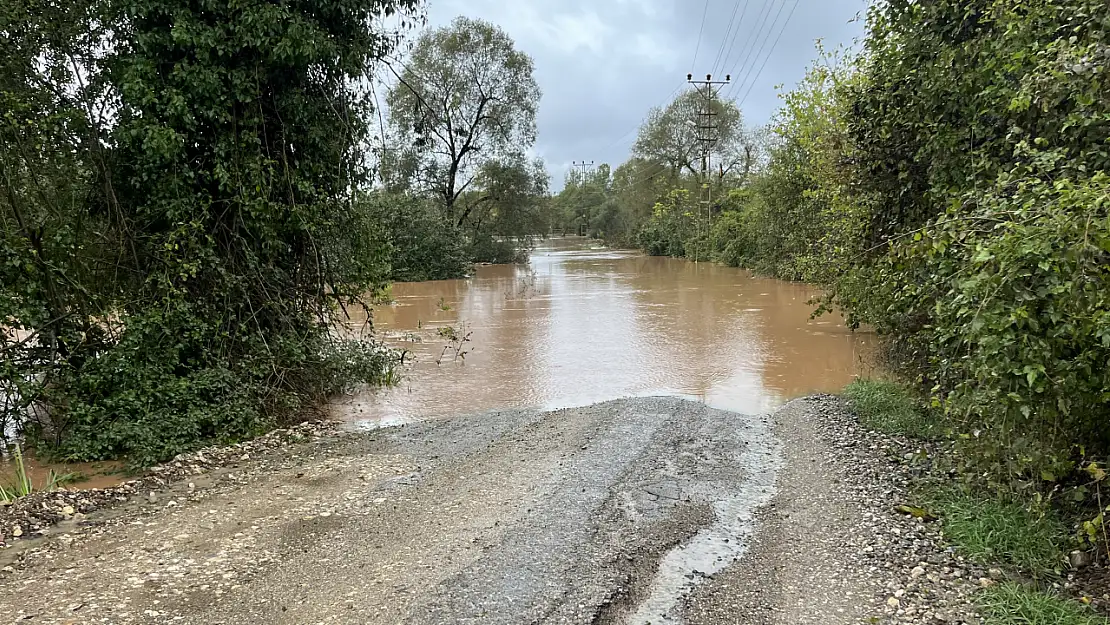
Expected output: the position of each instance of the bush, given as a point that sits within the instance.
(671, 227)
(978, 150)
(1003, 304)
(174, 263)
(424, 244)
(486, 249)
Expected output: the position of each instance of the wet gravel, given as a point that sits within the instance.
(832, 548)
(33, 517)
(511, 517)
(506, 518)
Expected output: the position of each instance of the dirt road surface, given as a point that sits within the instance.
(627, 512)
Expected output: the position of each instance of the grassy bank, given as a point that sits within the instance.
(1025, 539)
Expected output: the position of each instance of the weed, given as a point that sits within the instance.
(456, 342)
(443, 305)
(1015, 604)
(23, 485)
(889, 407)
(992, 529)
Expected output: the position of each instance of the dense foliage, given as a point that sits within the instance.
(423, 243)
(177, 215)
(980, 152)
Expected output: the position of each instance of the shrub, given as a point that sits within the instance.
(424, 244)
(1003, 304)
(484, 248)
(978, 150)
(671, 227)
(175, 261)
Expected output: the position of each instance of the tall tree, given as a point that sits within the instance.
(670, 135)
(465, 97)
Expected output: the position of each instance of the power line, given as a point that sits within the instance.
(637, 126)
(749, 46)
(758, 47)
(724, 40)
(770, 53)
(744, 59)
(701, 32)
(735, 35)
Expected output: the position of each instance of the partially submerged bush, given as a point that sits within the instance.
(175, 237)
(424, 244)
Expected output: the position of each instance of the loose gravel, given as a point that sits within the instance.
(832, 547)
(511, 517)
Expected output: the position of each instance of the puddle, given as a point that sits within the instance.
(716, 547)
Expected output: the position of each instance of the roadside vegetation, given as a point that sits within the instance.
(890, 407)
(1028, 542)
(1016, 604)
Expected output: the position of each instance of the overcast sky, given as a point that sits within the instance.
(603, 64)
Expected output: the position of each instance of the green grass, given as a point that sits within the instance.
(1015, 604)
(889, 407)
(992, 530)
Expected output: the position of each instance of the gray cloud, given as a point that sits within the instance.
(603, 65)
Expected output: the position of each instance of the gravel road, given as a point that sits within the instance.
(654, 510)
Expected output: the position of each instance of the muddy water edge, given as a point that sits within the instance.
(582, 324)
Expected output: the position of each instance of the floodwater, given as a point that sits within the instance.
(74, 474)
(583, 324)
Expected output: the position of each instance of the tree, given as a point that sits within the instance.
(670, 136)
(580, 202)
(510, 202)
(465, 98)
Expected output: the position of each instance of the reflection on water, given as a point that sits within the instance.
(582, 324)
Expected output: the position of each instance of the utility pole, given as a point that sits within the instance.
(587, 168)
(708, 134)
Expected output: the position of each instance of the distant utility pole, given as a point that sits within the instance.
(708, 134)
(587, 168)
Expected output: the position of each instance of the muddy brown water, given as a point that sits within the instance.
(582, 324)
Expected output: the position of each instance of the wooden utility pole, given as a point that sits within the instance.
(708, 134)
